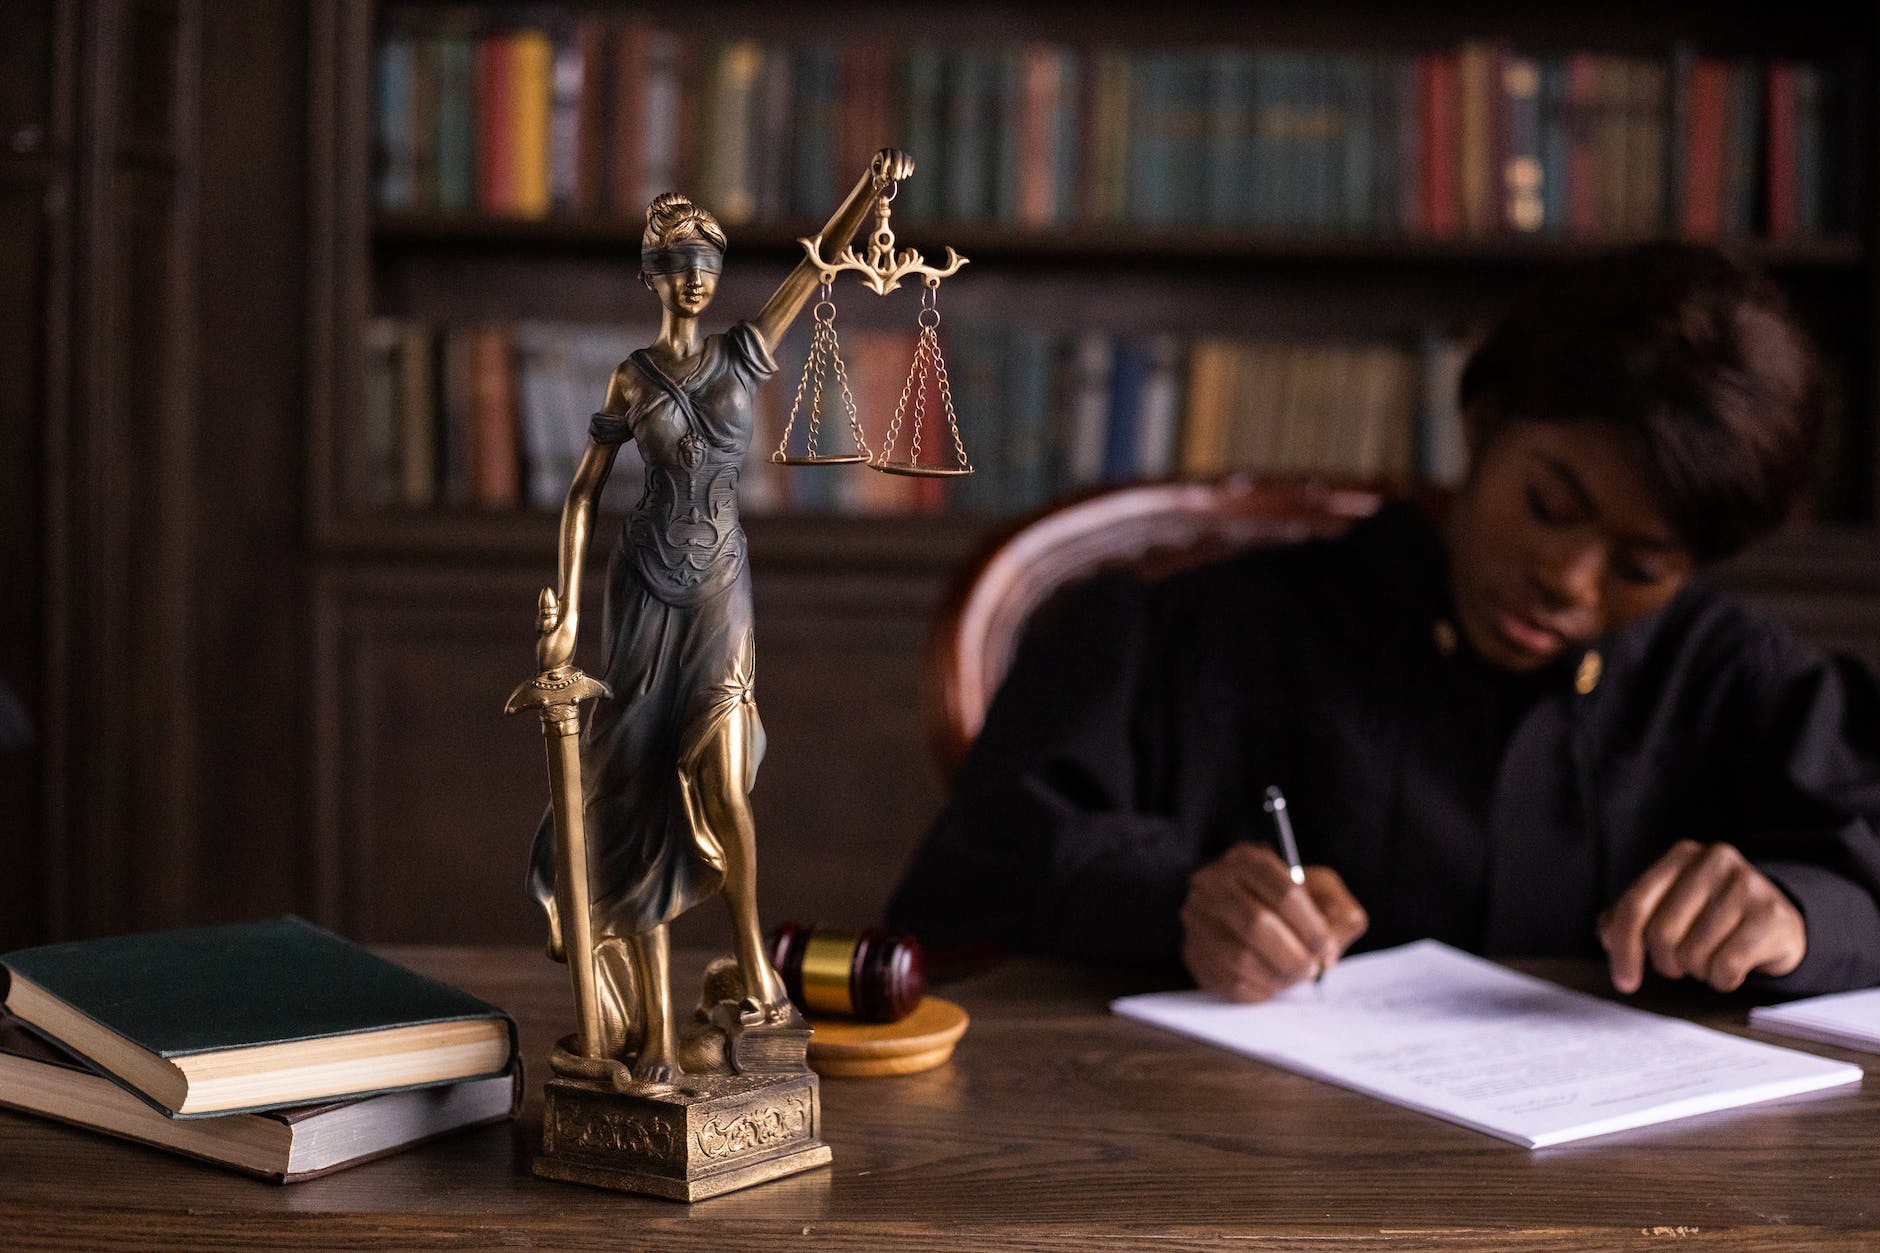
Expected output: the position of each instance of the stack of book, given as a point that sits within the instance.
(275, 1048)
(537, 114)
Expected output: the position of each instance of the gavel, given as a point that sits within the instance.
(866, 974)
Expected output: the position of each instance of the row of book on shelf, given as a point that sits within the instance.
(591, 116)
(273, 1047)
(494, 415)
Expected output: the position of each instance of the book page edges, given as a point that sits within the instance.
(271, 1146)
(253, 1143)
(155, 1078)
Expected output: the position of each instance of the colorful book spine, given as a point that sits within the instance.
(1158, 424)
(455, 175)
(397, 161)
(1555, 143)
(1122, 438)
(1779, 162)
(1648, 148)
(1523, 188)
(1810, 161)
(1229, 159)
(1613, 129)
(494, 477)
(923, 94)
(417, 416)
(773, 132)
(496, 161)
(1477, 88)
(588, 192)
(1032, 372)
(1034, 169)
(631, 86)
(564, 124)
(973, 83)
(726, 159)
(1583, 102)
(1356, 160)
(532, 82)
(1087, 401)
(1706, 122)
(1009, 153)
(1743, 153)
(662, 164)
(813, 180)
(1438, 86)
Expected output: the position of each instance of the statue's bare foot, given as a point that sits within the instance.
(655, 1071)
(658, 1063)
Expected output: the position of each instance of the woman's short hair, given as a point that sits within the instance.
(1692, 352)
(672, 218)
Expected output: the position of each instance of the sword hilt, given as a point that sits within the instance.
(564, 685)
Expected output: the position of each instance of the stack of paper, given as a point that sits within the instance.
(1849, 1019)
(1439, 1031)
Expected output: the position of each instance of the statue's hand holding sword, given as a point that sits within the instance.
(555, 694)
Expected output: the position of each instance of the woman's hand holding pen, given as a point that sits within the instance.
(1702, 910)
(1249, 931)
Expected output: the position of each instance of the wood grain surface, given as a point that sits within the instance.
(1054, 1126)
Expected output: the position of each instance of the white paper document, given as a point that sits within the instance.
(1434, 1029)
(1849, 1019)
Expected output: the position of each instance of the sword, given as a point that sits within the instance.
(556, 695)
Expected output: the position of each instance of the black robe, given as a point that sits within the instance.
(1500, 813)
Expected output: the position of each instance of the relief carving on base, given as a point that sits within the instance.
(755, 1127)
(599, 1129)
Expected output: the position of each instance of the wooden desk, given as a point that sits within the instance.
(1056, 1126)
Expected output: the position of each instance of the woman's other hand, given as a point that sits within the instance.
(1702, 911)
(1248, 930)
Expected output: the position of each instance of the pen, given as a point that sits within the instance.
(1289, 849)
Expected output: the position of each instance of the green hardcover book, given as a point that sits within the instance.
(253, 1016)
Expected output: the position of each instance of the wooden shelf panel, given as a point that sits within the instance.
(1071, 244)
(1816, 556)
(924, 543)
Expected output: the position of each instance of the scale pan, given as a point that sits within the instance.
(839, 459)
(915, 470)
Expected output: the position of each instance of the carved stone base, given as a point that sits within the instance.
(710, 1135)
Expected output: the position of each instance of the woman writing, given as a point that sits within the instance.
(1524, 728)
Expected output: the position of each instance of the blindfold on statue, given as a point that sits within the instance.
(678, 260)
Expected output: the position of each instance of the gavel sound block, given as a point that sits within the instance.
(864, 993)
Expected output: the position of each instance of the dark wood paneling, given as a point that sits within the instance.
(27, 31)
(35, 274)
(248, 616)
(120, 727)
(428, 796)
(25, 266)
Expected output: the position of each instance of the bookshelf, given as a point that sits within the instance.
(447, 588)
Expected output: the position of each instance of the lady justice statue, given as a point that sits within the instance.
(650, 814)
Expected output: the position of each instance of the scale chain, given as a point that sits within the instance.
(946, 399)
(818, 353)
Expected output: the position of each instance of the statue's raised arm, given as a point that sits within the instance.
(888, 167)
